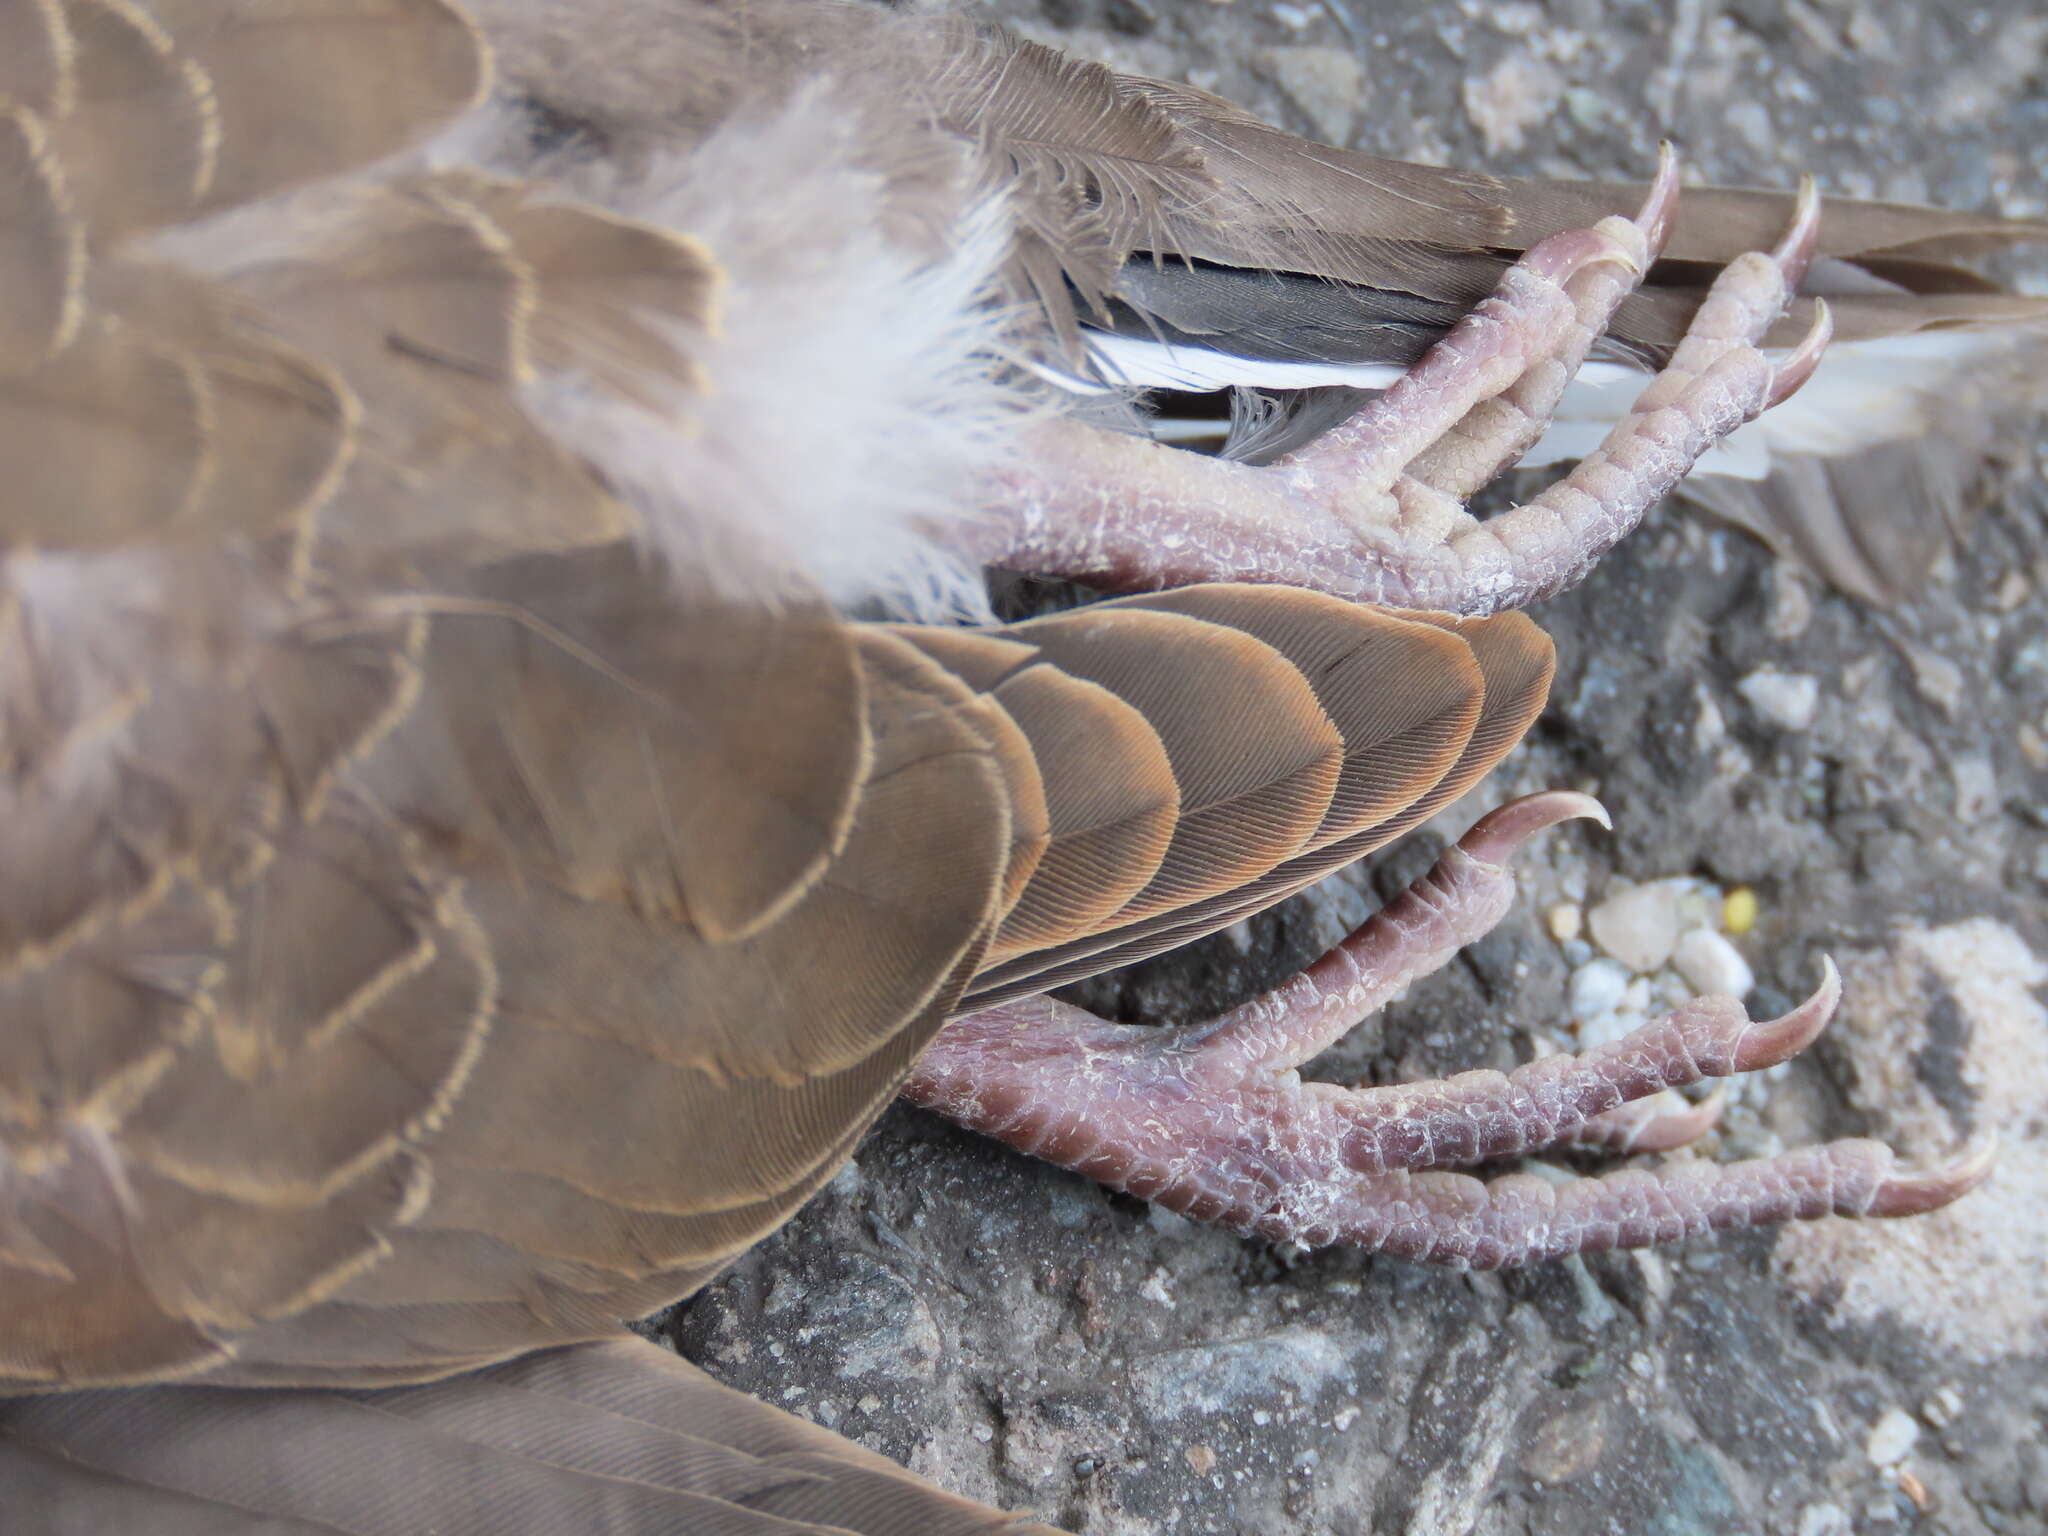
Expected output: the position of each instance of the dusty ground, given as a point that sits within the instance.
(1023, 1336)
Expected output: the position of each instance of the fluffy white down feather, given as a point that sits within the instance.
(857, 388)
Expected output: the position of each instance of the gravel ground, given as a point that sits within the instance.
(1879, 782)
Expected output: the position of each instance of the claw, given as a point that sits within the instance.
(1494, 838)
(1772, 1041)
(1680, 1128)
(1558, 258)
(1645, 1126)
(1795, 252)
(1798, 365)
(1660, 205)
(1909, 1194)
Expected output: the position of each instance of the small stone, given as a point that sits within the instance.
(1791, 603)
(1588, 108)
(1787, 700)
(1753, 123)
(2034, 748)
(1200, 1459)
(1638, 926)
(1937, 679)
(1710, 728)
(1344, 1418)
(1738, 911)
(1856, 677)
(1567, 1446)
(1153, 1288)
(1565, 920)
(1891, 1438)
(1238, 935)
(1160, 1219)
(1595, 988)
(1943, 1407)
(1514, 96)
(1976, 787)
(1606, 1028)
(1655, 1272)
(1824, 1520)
(2011, 592)
(1709, 963)
(1327, 84)
(1699, 904)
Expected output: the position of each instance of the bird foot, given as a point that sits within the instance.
(1374, 509)
(1214, 1121)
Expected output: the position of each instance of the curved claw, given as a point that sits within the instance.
(1791, 373)
(1558, 258)
(1665, 1130)
(1660, 205)
(1767, 1043)
(1909, 1194)
(1683, 1127)
(1494, 838)
(1794, 253)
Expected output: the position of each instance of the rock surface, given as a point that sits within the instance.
(1020, 1335)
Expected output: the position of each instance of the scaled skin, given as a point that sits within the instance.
(1374, 509)
(1212, 1121)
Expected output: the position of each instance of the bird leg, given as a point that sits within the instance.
(1374, 509)
(1215, 1122)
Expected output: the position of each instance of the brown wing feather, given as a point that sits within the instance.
(42, 246)
(1247, 796)
(1469, 702)
(619, 1436)
(1110, 798)
(140, 139)
(302, 62)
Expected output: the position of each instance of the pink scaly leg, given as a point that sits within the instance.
(1215, 1122)
(1374, 509)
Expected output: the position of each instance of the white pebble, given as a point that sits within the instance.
(1709, 963)
(1154, 1289)
(1596, 988)
(1566, 919)
(1943, 1407)
(1638, 926)
(1699, 903)
(1824, 1520)
(1606, 1028)
(1976, 787)
(1891, 1437)
(1787, 700)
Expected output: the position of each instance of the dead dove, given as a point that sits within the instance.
(491, 820)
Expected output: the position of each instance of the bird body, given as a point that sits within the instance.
(470, 878)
